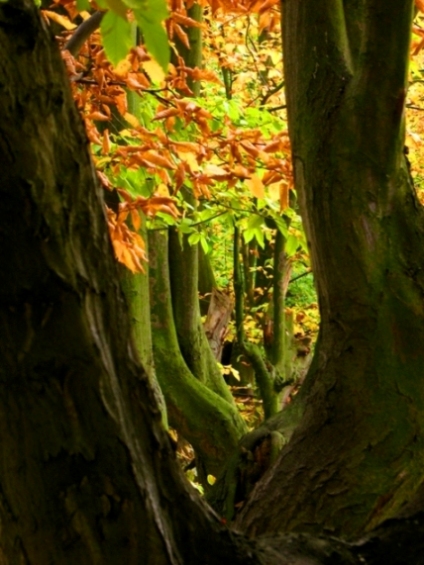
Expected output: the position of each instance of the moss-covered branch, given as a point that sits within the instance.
(183, 264)
(211, 424)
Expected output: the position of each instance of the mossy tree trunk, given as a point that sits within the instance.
(194, 346)
(209, 422)
(358, 453)
(137, 295)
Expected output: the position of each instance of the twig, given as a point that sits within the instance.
(276, 108)
(83, 32)
(296, 278)
(271, 92)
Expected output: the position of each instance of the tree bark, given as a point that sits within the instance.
(358, 453)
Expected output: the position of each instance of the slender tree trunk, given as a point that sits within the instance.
(183, 264)
(211, 424)
(358, 454)
(263, 376)
(136, 291)
(206, 281)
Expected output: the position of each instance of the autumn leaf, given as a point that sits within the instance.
(182, 36)
(135, 218)
(215, 171)
(255, 185)
(185, 20)
(420, 5)
(154, 70)
(106, 143)
(98, 117)
(284, 196)
(132, 120)
(59, 19)
(274, 191)
(154, 158)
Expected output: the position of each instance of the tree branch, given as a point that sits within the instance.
(83, 32)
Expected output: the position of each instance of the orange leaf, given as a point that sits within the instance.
(61, 20)
(159, 160)
(118, 247)
(255, 186)
(132, 120)
(98, 117)
(167, 113)
(241, 172)
(185, 21)
(272, 146)
(284, 196)
(182, 36)
(128, 261)
(125, 195)
(106, 143)
(104, 181)
(214, 171)
(420, 5)
(154, 70)
(135, 218)
(250, 148)
(274, 191)
(186, 146)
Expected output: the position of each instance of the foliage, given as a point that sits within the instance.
(233, 154)
(415, 106)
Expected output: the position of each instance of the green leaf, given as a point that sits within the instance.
(281, 224)
(155, 38)
(255, 222)
(83, 5)
(117, 37)
(194, 238)
(185, 226)
(248, 235)
(204, 243)
(291, 246)
(149, 15)
(259, 235)
(155, 10)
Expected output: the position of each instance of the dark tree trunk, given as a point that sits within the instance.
(358, 453)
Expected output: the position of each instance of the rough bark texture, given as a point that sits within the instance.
(358, 454)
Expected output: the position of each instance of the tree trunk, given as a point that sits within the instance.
(211, 424)
(136, 291)
(194, 345)
(358, 454)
